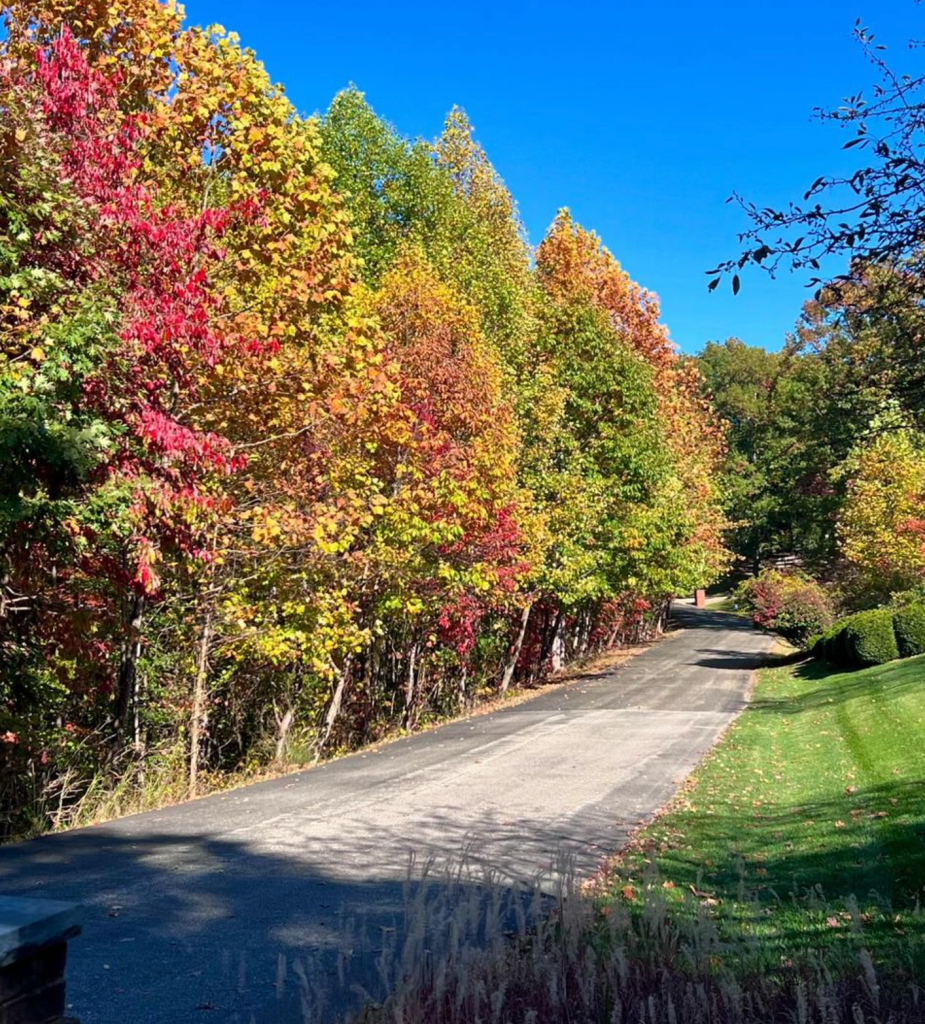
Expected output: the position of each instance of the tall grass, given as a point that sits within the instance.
(472, 950)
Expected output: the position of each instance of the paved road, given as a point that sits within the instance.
(205, 912)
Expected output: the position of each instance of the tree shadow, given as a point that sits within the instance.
(838, 686)
(689, 617)
(801, 865)
(733, 660)
(182, 927)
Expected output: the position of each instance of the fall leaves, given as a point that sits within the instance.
(295, 429)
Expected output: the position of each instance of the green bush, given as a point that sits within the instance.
(831, 645)
(863, 639)
(867, 638)
(909, 627)
(791, 603)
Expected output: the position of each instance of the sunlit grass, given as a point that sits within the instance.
(808, 818)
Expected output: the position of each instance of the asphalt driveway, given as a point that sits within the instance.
(235, 908)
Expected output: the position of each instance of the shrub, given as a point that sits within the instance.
(827, 644)
(791, 603)
(835, 646)
(909, 627)
(868, 638)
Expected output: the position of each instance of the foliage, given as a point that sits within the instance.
(879, 524)
(860, 640)
(788, 428)
(791, 603)
(909, 627)
(815, 432)
(301, 441)
(869, 638)
(857, 347)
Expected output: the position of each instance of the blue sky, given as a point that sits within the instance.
(642, 117)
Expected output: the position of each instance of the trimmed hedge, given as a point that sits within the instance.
(869, 638)
(859, 641)
(909, 627)
(831, 645)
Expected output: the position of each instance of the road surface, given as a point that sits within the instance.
(220, 909)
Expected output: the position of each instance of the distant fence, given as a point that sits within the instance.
(747, 568)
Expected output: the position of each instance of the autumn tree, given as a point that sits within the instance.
(872, 215)
(880, 523)
(299, 443)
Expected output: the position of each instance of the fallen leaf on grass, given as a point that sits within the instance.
(708, 898)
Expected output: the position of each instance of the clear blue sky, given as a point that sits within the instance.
(640, 117)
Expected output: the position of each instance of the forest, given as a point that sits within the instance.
(302, 442)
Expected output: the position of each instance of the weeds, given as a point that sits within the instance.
(473, 949)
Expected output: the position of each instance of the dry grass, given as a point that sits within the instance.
(473, 951)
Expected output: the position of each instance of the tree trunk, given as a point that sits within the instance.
(558, 646)
(334, 709)
(199, 710)
(463, 685)
(129, 656)
(514, 655)
(409, 686)
(283, 725)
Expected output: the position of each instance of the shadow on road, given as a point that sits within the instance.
(183, 928)
(732, 660)
(702, 618)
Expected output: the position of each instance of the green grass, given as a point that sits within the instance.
(805, 827)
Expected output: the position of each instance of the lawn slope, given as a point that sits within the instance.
(805, 827)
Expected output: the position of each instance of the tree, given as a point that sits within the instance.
(444, 197)
(880, 524)
(298, 444)
(794, 417)
(685, 543)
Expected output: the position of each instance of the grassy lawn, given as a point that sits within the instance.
(805, 828)
(724, 603)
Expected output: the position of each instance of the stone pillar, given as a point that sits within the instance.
(33, 949)
(700, 599)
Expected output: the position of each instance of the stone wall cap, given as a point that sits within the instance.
(27, 924)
